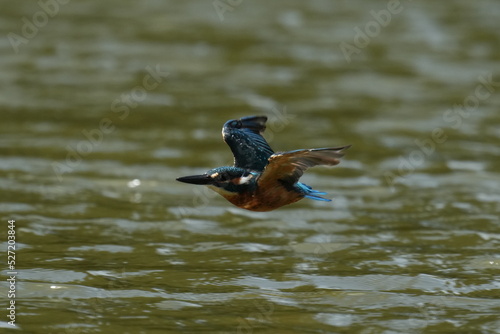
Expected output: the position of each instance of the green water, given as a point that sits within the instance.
(105, 103)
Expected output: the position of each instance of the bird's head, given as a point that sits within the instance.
(224, 180)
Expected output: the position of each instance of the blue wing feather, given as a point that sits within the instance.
(244, 137)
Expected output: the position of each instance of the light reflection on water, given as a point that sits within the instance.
(114, 245)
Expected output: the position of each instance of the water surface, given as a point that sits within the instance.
(108, 102)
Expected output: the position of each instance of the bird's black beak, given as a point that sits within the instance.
(196, 179)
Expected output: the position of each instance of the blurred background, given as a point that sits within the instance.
(104, 103)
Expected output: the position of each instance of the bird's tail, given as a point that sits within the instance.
(311, 193)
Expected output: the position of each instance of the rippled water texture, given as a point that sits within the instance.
(105, 103)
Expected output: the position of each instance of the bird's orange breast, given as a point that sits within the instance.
(264, 199)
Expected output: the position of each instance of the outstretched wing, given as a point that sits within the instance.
(244, 137)
(288, 167)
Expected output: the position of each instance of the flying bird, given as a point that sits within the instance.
(262, 180)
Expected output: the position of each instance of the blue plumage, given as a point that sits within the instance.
(311, 193)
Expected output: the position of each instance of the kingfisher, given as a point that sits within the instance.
(262, 180)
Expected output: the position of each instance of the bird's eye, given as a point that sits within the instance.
(222, 177)
(235, 124)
